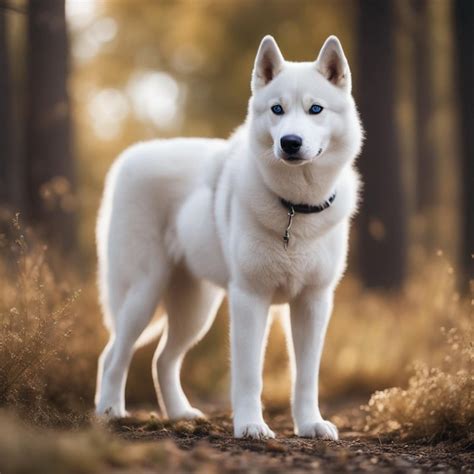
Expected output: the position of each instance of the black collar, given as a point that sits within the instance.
(308, 208)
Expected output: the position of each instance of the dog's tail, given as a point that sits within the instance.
(152, 332)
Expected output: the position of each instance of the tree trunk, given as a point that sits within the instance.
(10, 176)
(50, 172)
(464, 40)
(383, 219)
(426, 179)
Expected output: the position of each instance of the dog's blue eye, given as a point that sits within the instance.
(278, 109)
(315, 109)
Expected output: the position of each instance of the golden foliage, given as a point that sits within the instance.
(43, 355)
(438, 403)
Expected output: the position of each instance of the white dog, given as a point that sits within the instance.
(264, 215)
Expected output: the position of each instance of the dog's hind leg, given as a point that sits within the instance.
(191, 305)
(134, 313)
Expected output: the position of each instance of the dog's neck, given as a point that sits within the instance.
(305, 184)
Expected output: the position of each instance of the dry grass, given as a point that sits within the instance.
(438, 403)
(51, 336)
(44, 359)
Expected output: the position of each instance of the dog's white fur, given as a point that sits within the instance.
(183, 219)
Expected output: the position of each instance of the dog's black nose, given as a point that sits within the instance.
(291, 144)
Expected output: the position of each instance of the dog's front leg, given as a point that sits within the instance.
(310, 314)
(248, 332)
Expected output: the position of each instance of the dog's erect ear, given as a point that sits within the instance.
(268, 63)
(333, 65)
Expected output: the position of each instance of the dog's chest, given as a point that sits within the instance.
(306, 262)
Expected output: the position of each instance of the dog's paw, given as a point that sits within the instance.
(321, 429)
(253, 431)
(191, 414)
(111, 411)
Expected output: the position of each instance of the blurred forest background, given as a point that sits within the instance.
(81, 80)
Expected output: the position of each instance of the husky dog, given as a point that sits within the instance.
(264, 215)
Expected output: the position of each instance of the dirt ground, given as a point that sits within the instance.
(207, 446)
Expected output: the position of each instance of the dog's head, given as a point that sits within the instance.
(303, 113)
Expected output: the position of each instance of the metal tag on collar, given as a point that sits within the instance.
(286, 235)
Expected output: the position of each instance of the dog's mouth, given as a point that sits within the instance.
(294, 160)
